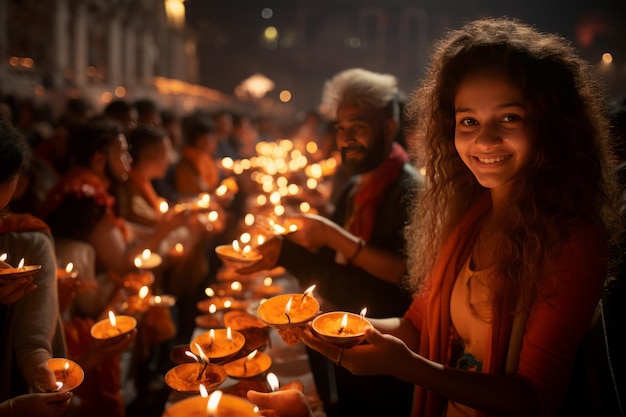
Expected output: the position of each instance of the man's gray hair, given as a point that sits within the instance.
(362, 88)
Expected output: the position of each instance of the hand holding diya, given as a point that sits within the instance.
(67, 374)
(288, 314)
(113, 326)
(340, 328)
(218, 344)
(20, 271)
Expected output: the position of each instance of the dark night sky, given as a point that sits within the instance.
(593, 26)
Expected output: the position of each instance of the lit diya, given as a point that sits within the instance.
(268, 288)
(67, 374)
(288, 314)
(249, 366)
(340, 328)
(21, 271)
(220, 303)
(67, 272)
(163, 300)
(218, 344)
(113, 326)
(148, 260)
(188, 376)
(217, 405)
(235, 256)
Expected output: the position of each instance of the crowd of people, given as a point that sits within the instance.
(482, 226)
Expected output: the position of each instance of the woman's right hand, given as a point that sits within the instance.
(53, 404)
(287, 403)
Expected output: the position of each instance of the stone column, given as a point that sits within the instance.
(148, 53)
(80, 45)
(114, 67)
(61, 46)
(130, 67)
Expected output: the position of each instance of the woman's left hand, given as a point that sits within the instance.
(383, 354)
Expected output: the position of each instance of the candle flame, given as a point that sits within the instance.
(344, 322)
(204, 201)
(246, 250)
(279, 210)
(164, 207)
(267, 281)
(293, 227)
(309, 290)
(146, 253)
(209, 292)
(59, 385)
(245, 237)
(288, 306)
(69, 267)
(272, 379)
(143, 291)
(249, 219)
(228, 303)
(157, 299)
(203, 392)
(112, 319)
(3, 257)
(236, 246)
(363, 312)
(66, 366)
(211, 335)
(192, 356)
(221, 190)
(179, 248)
(229, 334)
(21, 263)
(201, 353)
(213, 402)
(236, 286)
(260, 239)
(251, 355)
(212, 216)
(138, 262)
(212, 308)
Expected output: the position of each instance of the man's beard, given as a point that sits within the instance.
(373, 157)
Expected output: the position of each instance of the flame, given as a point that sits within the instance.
(146, 253)
(236, 286)
(267, 281)
(164, 207)
(236, 246)
(204, 201)
(288, 306)
(203, 391)
(228, 303)
(179, 248)
(212, 308)
(309, 290)
(143, 292)
(260, 239)
(363, 312)
(229, 334)
(138, 262)
(21, 263)
(112, 319)
(59, 385)
(212, 335)
(209, 292)
(212, 216)
(246, 250)
(344, 321)
(66, 366)
(69, 267)
(213, 402)
(249, 219)
(3, 257)
(251, 355)
(272, 379)
(157, 299)
(192, 356)
(201, 353)
(245, 238)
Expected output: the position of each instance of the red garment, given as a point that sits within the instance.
(367, 199)
(81, 182)
(553, 331)
(18, 222)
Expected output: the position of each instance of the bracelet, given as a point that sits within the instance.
(360, 245)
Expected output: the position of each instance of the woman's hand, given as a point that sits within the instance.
(270, 250)
(287, 403)
(12, 290)
(383, 354)
(51, 404)
(101, 350)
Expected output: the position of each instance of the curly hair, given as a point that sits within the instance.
(569, 176)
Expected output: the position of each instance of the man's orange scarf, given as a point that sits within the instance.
(368, 198)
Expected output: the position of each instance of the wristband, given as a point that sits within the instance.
(360, 245)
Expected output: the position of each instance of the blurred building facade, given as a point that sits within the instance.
(101, 50)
